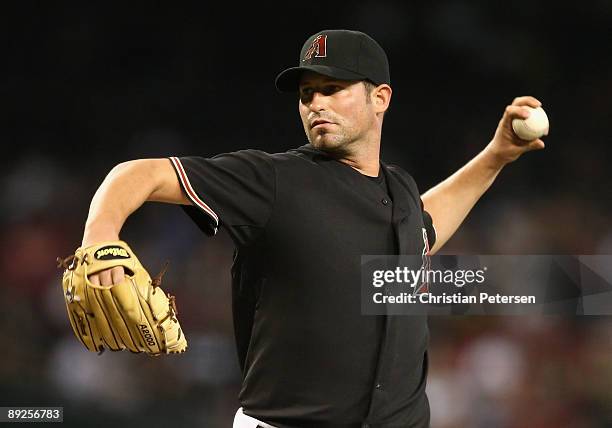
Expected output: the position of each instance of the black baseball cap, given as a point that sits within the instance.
(342, 54)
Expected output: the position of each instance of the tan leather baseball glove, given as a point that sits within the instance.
(135, 314)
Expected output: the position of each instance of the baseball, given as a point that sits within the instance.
(535, 126)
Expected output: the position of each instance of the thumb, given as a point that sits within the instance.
(535, 145)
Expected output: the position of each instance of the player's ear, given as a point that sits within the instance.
(381, 97)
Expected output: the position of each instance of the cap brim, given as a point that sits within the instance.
(288, 80)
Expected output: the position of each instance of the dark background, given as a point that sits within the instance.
(86, 87)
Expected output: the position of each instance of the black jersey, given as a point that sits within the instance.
(301, 221)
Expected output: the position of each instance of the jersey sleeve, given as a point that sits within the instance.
(232, 190)
(429, 227)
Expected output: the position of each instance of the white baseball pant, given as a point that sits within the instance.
(245, 421)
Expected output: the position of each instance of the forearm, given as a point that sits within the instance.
(124, 190)
(449, 202)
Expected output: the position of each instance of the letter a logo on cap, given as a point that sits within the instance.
(318, 47)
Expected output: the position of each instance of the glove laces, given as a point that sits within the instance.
(68, 263)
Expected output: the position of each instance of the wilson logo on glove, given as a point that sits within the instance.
(111, 253)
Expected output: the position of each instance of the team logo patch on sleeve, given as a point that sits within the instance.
(111, 252)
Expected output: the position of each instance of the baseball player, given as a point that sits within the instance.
(300, 221)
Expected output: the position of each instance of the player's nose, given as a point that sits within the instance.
(318, 101)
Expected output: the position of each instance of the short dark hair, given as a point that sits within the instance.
(369, 87)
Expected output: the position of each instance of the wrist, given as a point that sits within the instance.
(96, 232)
(493, 160)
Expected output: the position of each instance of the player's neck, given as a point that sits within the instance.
(364, 158)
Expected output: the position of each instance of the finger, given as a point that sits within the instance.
(105, 277)
(517, 112)
(95, 279)
(117, 274)
(526, 101)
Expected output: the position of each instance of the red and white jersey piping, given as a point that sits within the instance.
(191, 193)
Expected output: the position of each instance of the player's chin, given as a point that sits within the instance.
(325, 141)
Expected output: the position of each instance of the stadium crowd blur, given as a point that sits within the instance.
(87, 88)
